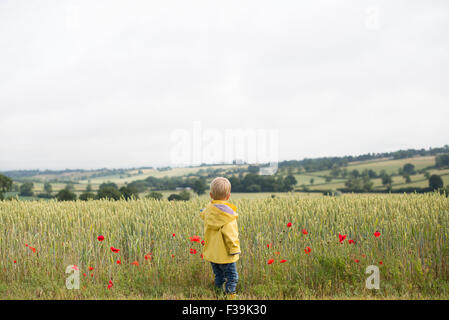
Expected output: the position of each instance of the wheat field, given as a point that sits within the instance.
(405, 236)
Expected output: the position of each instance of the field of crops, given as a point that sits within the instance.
(406, 236)
(390, 166)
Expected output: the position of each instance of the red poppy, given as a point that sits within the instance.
(119, 262)
(115, 250)
(91, 268)
(282, 261)
(356, 260)
(380, 262)
(203, 242)
(289, 224)
(192, 251)
(172, 255)
(269, 245)
(148, 256)
(15, 261)
(100, 238)
(109, 286)
(277, 253)
(91, 274)
(350, 241)
(307, 250)
(270, 261)
(341, 237)
(195, 239)
(75, 267)
(201, 256)
(26, 244)
(84, 274)
(110, 282)
(173, 234)
(304, 231)
(377, 234)
(136, 263)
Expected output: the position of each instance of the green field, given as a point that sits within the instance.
(418, 180)
(411, 252)
(174, 172)
(390, 166)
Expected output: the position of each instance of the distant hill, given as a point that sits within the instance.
(363, 173)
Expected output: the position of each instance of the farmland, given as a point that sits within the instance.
(318, 181)
(39, 239)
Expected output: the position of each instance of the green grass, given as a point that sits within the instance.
(390, 166)
(243, 195)
(327, 186)
(413, 247)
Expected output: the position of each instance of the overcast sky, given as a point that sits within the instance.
(91, 84)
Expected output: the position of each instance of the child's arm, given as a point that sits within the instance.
(231, 237)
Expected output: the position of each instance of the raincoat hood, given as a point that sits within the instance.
(219, 213)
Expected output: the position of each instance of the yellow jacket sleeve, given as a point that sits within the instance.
(231, 237)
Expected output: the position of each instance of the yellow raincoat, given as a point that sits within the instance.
(221, 234)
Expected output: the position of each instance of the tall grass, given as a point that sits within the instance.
(413, 248)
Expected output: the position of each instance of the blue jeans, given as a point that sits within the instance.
(228, 272)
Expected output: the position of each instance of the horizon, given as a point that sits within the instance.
(213, 164)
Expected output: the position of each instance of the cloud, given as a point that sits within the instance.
(104, 84)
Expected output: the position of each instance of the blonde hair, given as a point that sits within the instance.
(220, 188)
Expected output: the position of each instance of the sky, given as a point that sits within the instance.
(93, 84)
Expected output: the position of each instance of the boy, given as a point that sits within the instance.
(222, 245)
